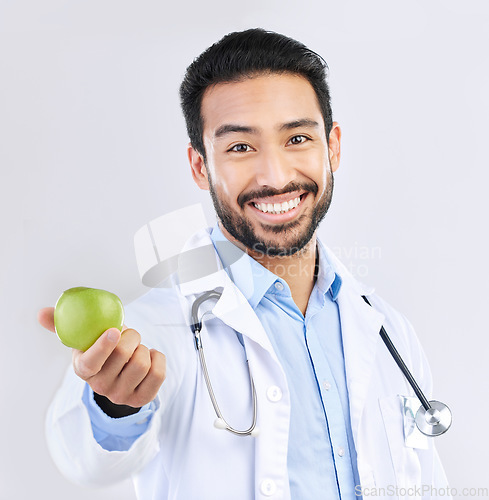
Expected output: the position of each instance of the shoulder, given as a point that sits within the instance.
(353, 287)
(152, 304)
(159, 316)
(398, 327)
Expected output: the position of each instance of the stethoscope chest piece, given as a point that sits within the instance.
(435, 420)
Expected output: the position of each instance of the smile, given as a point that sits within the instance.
(285, 210)
(278, 208)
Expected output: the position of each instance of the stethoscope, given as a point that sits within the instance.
(196, 327)
(433, 418)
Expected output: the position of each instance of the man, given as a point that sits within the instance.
(328, 412)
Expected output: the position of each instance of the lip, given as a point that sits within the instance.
(280, 198)
(278, 218)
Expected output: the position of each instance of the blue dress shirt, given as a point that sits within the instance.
(321, 453)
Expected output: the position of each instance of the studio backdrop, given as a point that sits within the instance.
(93, 147)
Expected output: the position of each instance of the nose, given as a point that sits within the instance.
(273, 169)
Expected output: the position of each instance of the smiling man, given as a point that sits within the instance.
(291, 344)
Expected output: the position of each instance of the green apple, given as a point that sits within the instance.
(82, 314)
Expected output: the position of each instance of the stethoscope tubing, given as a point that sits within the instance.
(400, 363)
(196, 327)
(433, 418)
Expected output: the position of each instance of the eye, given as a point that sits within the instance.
(240, 148)
(299, 139)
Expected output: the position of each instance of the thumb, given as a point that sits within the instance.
(45, 317)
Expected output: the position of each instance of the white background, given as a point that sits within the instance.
(93, 146)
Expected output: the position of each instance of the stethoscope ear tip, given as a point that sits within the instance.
(255, 432)
(220, 424)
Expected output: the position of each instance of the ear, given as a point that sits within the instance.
(199, 170)
(334, 146)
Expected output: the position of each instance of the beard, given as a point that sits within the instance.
(296, 234)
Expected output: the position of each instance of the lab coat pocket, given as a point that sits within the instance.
(405, 459)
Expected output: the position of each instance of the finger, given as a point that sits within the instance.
(147, 390)
(89, 363)
(120, 356)
(132, 374)
(45, 317)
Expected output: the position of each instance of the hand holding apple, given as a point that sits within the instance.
(82, 314)
(117, 365)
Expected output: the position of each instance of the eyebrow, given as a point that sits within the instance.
(230, 128)
(303, 122)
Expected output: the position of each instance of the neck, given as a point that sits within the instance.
(298, 270)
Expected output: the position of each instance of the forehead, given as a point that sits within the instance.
(260, 102)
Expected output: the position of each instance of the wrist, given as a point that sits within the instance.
(113, 410)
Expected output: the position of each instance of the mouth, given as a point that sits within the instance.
(279, 208)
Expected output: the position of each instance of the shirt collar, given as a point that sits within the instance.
(254, 280)
(328, 279)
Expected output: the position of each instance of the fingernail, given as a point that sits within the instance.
(113, 335)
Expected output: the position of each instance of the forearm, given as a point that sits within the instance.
(119, 429)
(76, 452)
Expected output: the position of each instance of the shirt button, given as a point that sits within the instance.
(274, 393)
(268, 487)
(279, 286)
(326, 385)
(341, 451)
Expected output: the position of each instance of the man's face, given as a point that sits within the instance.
(267, 161)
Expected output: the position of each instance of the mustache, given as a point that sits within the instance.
(244, 198)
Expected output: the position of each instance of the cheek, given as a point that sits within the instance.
(317, 168)
(228, 180)
(227, 189)
(326, 175)
(225, 184)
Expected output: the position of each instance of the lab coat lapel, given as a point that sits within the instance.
(360, 325)
(232, 307)
(234, 310)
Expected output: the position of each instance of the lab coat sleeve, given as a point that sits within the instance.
(76, 452)
(117, 433)
(69, 431)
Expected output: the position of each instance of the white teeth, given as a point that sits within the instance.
(278, 208)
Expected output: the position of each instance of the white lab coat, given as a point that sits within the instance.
(183, 456)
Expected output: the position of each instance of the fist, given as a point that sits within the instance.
(117, 365)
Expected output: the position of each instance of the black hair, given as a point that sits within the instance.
(244, 54)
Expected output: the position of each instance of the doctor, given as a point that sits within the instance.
(330, 398)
